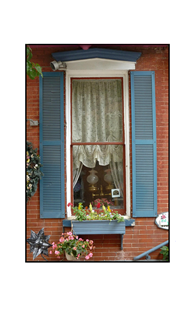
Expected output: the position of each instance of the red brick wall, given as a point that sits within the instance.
(145, 234)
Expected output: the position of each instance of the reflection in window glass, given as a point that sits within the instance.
(99, 177)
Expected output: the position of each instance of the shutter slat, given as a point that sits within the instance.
(52, 145)
(144, 144)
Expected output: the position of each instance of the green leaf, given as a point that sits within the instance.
(29, 66)
(38, 68)
(33, 74)
(29, 53)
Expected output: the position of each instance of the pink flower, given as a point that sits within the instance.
(74, 248)
(87, 257)
(57, 252)
(80, 239)
(54, 246)
(77, 237)
(69, 204)
(90, 255)
(90, 242)
(61, 239)
(87, 240)
(50, 252)
(69, 233)
(163, 217)
(83, 246)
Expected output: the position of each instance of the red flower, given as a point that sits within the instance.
(69, 204)
(98, 205)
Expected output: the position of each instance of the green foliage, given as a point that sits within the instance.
(117, 217)
(33, 70)
(79, 212)
(99, 214)
(33, 171)
(165, 252)
(74, 246)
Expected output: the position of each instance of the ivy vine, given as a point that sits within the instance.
(33, 171)
(33, 69)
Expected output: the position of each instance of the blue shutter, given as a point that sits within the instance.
(144, 166)
(51, 102)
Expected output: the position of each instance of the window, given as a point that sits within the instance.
(97, 145)
(96, 141)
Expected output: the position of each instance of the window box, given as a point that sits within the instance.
(99, 227)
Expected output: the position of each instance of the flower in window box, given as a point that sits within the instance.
(90, 214)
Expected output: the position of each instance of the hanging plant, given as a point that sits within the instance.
(33, 69)
(33, 171)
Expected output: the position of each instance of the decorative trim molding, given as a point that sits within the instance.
(100, 64)
(98, 59)
(98, 73)
(111, 54)
(128, 223)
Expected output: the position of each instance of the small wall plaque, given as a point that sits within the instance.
(162, 221)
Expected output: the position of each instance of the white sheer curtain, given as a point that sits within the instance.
(97, 117)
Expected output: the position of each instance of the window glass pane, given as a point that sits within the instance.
(97, 110)
(98, 175)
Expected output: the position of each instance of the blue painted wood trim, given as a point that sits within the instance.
(154, 138)
(98, 227)
(122, 241)
(111, 54)
(128, 223)
(145, 213)
(51, 214)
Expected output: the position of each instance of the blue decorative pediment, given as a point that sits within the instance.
(92, 53)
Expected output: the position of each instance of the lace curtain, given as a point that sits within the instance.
(97, 117)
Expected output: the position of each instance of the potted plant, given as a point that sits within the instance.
(100, 221)
(102, 201)
(73, 247)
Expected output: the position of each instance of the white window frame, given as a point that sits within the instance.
(98, 73)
